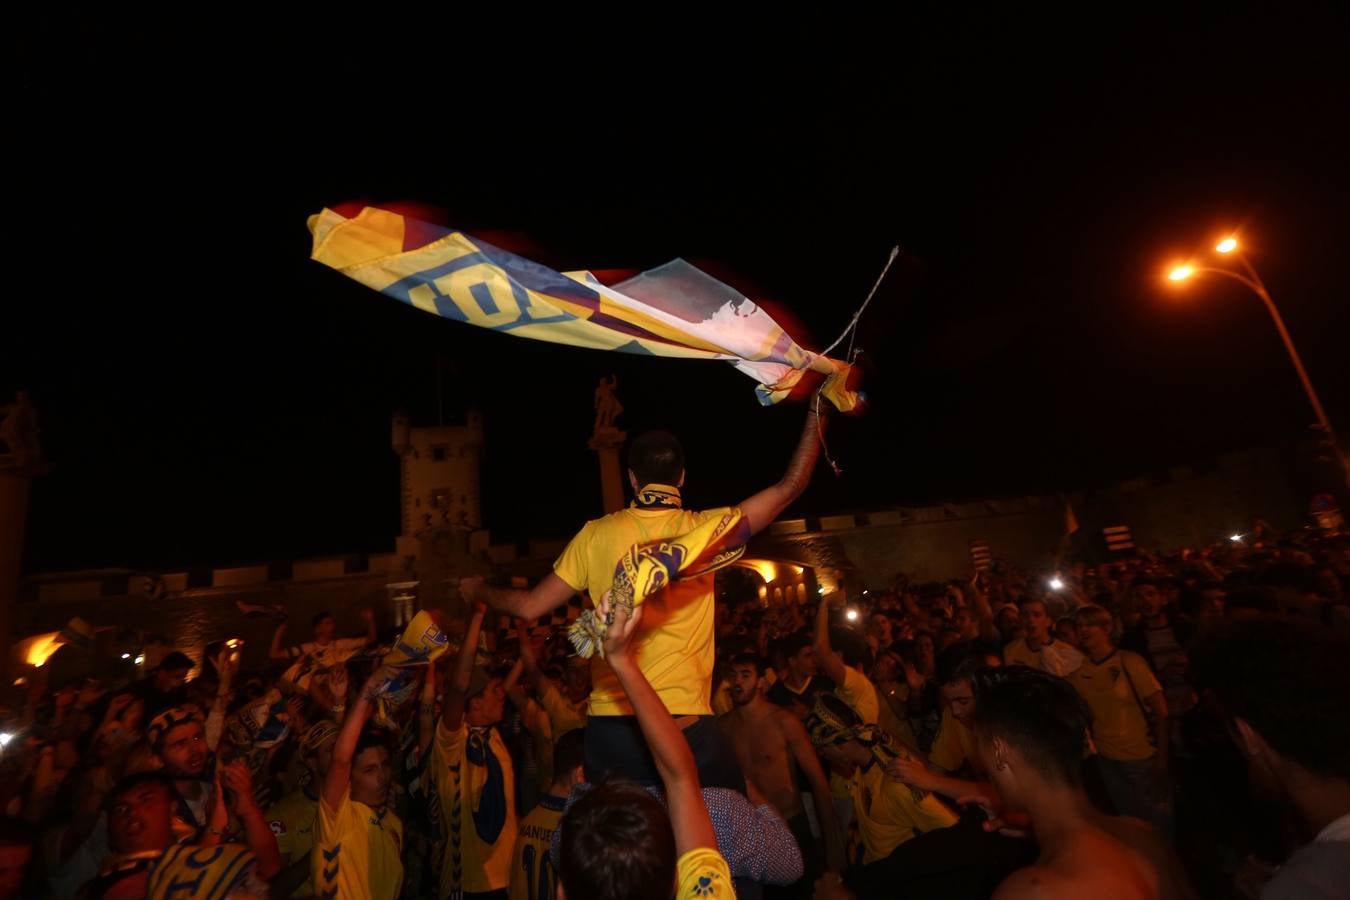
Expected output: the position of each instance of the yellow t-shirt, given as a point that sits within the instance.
(563, 714)
(703, 872)
(1017, 653)
(954, 744)
(858, 692)
(533, 876)
(888, 815)
(292, 819)
(1056, 657)
(675, 647)
(476, 802)
(357, 852)
(1119, 727)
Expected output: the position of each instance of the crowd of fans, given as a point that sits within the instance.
(1160, 726)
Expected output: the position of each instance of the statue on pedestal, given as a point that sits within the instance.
(607, 405)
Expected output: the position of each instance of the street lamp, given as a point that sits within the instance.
(1229, 247)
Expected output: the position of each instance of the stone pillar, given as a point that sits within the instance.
(607, 442)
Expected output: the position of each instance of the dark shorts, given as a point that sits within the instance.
(615, 748)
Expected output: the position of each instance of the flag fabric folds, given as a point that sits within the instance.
(674, 310)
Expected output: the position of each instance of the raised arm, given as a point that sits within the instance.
(372, 635)
(807, 760)
(426, 712)
(278, 650)
(339, 777)
(762, 508)
(674, 760)
(546, 596)
(831, 663)
(452, 705)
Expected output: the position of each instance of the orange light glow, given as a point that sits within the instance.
(1227, 245)
(1181, 273)
(39, 648)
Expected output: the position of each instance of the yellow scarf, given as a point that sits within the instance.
(647, 568)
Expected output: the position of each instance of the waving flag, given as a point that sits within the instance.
(672, 310)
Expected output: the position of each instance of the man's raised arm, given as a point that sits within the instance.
(546, 596)
(762, 508)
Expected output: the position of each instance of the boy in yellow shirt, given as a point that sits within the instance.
(472, 777)
(675, 651)
(359, 840)
(617, 841)
(533, 872)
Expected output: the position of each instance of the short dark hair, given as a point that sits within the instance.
(1289, 681)
(748, 659)
(656, 457)
(569, 752)
(958, 662)
(1036, 712)
(793, 644)
(616, 844)
(175, 661)
(131, 782)
(319, 617)
(371, 737)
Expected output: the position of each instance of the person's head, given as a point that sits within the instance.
(617, 844)
(316, 747)
(954, 671)
(743, 675)
(16, 852)
(569, 760)
(1066, 630)
(1009, 622)
(1213, 603)
(1030, 729)
(178, 738)
(1094, 630)
(1284, 689)
(838, 733)
(577, 678)
(140, 813)
(325, 626)
(172, 671)
(372, 771)
(881, 625)
(800, 656)
(485, 700)
(963, 621)
(1148, 599)
(655, 457)
(1035, 618)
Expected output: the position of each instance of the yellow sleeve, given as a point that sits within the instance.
(449, 745)
(563, 717)
(947, 753)
(281, 829)
(925, 815)
(571, 566)
(703, 873)
(1145, 682)
(858, 693)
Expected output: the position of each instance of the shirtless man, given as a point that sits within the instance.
(768, 739)
(1030, 728)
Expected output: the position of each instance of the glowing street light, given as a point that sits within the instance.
(1253, 282)
(1235, 538)
(851, 615)
(1056, 583)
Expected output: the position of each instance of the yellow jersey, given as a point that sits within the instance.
(674, 649)
(357, 852)
(532, 873)
(888, 815)
(1119, 726)
(292, 820)
(475, 790)
(703, 872)
(954, 745)
(563, 714)
(536, 722)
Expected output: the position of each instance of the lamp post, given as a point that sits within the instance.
(1249, 278)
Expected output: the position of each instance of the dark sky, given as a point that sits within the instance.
(208, 394)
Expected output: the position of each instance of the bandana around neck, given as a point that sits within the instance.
(657, 496)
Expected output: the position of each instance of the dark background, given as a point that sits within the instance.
(208, 394)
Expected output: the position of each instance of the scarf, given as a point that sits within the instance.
(647, 568)
(657, 496)
(831, 722)
(421, 643)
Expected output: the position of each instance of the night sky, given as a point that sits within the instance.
(209, 395)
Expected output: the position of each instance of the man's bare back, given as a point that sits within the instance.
(756, 731)
(1089, 863)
